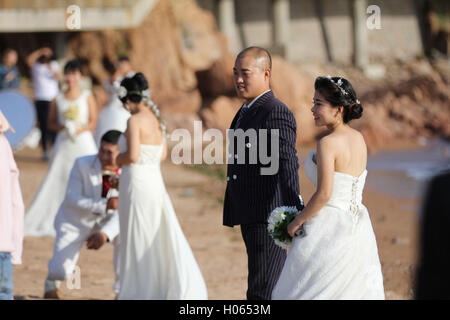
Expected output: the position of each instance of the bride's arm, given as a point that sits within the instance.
(325, 157)
(133, 144)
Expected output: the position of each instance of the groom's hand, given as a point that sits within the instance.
(97, 240)
(113, 203)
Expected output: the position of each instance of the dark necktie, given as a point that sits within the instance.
(244, 110)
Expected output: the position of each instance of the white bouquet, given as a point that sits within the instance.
(71, 124)
(278, 221)
(71, 128)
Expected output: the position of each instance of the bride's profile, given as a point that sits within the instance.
(338, 256)
(156, 261)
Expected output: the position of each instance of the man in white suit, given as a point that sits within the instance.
(87, 214)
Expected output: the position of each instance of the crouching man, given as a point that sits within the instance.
(88, 213)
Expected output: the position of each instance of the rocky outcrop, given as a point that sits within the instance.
(419, 106)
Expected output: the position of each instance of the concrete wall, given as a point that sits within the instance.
(399, 36)
(51, 15)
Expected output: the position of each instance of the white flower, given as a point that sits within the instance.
(155, 110)
(146, 94)
(122, 92)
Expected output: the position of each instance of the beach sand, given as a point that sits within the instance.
(197, 196)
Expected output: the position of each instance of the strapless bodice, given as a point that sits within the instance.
(347, 189)
(149, 154)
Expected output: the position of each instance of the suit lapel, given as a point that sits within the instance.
(255, 108)
(236, 116)
(95, 177)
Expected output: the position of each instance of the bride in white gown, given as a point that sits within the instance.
(337, 258)
(73, 115)
(156, 261)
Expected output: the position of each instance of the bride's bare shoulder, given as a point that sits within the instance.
(358, 137)
(137, 119)
(327, 146)
(329, 141)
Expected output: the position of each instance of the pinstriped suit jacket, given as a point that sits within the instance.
(250, 196)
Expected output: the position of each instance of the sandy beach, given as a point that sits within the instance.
(197, 196)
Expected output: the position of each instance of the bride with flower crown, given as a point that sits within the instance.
(156, 261)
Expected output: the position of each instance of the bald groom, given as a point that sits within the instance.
(250, 195)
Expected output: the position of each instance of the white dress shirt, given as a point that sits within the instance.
(253, 101)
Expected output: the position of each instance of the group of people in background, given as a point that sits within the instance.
(48, 81)
(77, 202)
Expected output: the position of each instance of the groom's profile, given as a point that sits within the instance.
(251, 196)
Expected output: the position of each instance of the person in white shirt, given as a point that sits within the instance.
(88, 213)
(45, 74)
(114, 116)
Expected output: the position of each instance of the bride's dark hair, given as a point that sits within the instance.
(339, 92)
(134, 85)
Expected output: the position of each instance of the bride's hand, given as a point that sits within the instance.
(294, 226)
(80, 130)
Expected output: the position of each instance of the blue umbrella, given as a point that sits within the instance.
(20, 112)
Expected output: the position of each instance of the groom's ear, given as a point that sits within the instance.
(268, 73)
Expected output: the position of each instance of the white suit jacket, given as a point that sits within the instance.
(83, 205)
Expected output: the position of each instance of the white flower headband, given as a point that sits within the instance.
(122, 92)
(339, 83)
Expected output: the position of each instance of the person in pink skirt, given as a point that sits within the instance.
(11, 213)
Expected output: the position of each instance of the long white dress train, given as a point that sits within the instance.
(40, 216)
(338, 257)
(156, 261)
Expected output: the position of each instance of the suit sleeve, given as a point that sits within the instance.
(75, 197)
(281, 118)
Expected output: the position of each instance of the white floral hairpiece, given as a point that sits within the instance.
(146, 94)
(122, 92)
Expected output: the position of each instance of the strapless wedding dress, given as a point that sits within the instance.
(338, 256)
(156, 261)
